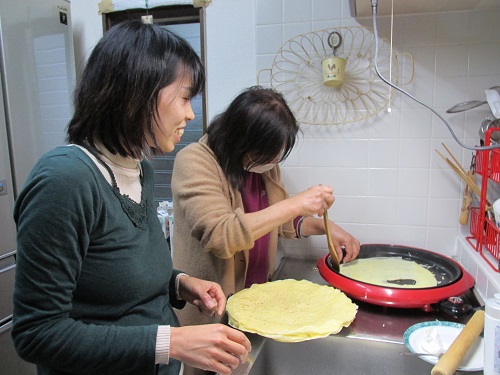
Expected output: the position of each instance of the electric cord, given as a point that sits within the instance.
(474, 148)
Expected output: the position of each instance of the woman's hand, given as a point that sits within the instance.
(213, 347)
(314, 201)
(206, 295)
(341, 238)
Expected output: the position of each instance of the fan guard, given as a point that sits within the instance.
(296, 72)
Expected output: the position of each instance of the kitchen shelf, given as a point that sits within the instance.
(485, 235)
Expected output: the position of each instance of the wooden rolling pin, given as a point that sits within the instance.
(451, 359)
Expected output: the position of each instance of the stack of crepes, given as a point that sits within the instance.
(290, 310)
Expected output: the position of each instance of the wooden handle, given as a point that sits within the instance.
(453, 356)
(466, 202)
(333, 254)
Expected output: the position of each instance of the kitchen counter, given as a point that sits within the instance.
(384, 325)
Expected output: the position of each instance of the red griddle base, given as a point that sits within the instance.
(395, 297)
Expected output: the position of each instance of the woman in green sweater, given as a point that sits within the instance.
(95, 287)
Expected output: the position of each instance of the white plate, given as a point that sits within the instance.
(448, 332)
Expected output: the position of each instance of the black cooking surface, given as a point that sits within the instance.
(444, 270)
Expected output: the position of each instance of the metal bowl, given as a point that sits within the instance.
(487, 124)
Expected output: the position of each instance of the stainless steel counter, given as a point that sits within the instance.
(384, 325)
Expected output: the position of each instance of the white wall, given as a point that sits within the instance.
(87, 30)
(390, 184)
(230, 51)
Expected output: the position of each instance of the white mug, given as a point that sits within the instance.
(333, 71)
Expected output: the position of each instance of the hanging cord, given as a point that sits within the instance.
(476, 148)
(147, 19)
(389, 109)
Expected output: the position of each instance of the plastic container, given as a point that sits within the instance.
(165, 212)
(163, 216)
(492, 336)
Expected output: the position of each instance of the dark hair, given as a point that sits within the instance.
(116, 99)
(258, 122)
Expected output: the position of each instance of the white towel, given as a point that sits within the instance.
(108, 6)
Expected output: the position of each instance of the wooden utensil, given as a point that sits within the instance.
(466, 201)
(463, 174)
(460, 346)
(333, 254)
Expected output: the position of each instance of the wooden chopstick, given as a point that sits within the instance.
(465, 173)
(465, 177)
(455, 159)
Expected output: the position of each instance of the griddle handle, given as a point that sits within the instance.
(344, 253)
(402, 281)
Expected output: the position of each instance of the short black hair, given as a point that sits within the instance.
(116, 99)
(258, 122)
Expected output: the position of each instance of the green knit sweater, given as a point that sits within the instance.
(91, 286)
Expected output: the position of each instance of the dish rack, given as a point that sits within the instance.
(485, 235)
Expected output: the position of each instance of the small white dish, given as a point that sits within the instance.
(415, 335)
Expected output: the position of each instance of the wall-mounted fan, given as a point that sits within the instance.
(297, 73)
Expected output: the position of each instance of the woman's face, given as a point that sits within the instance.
(174, 111)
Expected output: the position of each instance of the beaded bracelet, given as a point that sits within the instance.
(299, 228)
(177, 285)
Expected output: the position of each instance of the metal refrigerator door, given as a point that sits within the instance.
(7, 227)
(38, 74)
(39, 78)
(10, 363)
(7, 275)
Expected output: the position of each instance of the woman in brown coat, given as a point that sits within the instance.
(230, 204)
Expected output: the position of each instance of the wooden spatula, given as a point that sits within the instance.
(333, 254)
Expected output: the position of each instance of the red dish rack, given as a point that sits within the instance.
(485, 235)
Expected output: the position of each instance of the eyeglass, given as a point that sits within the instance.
(276, 159)
(280, 155)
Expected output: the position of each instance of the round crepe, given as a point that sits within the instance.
(290, 310)
(378, 270)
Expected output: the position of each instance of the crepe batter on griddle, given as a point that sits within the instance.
(379, 270)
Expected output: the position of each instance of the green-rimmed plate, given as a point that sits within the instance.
(447, 332)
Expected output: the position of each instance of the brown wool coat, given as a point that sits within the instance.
(211, 236)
